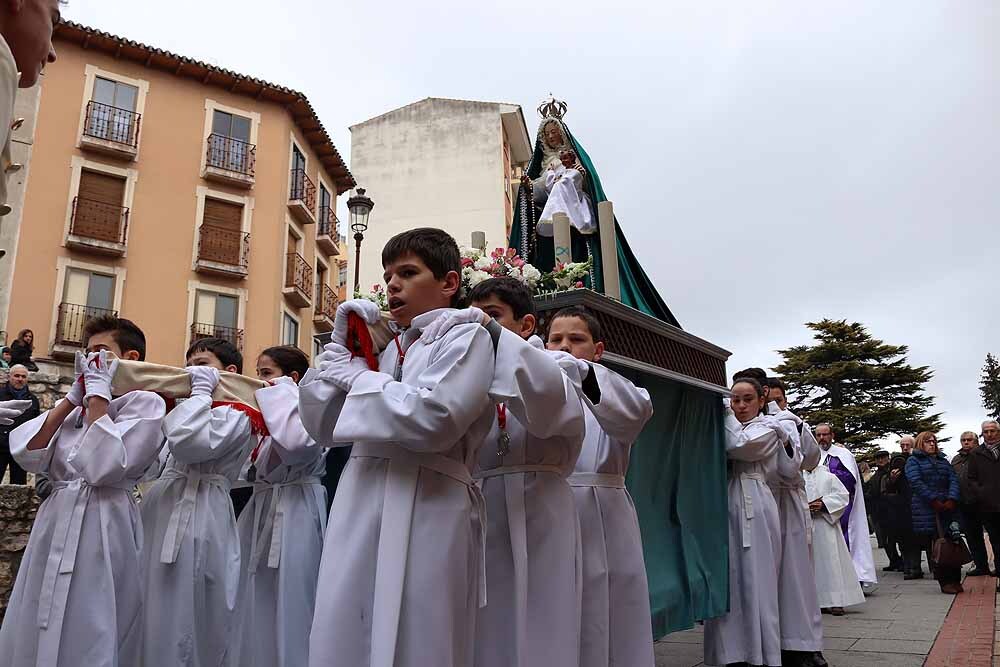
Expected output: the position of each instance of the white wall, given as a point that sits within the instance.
(435, 163)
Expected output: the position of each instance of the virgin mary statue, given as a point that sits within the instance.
(554, 144)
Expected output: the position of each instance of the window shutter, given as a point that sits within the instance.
(223, 214)
(104, 188)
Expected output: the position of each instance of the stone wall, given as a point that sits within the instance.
(18, 505)
(49, 385)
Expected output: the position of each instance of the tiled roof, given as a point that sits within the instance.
(296, 103)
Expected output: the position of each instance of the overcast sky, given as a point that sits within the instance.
(840, 158)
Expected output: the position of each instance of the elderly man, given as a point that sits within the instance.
(972, 523)
(983, 480)
(16, 389)
(841, 462)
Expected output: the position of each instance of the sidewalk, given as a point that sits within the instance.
(897, 626)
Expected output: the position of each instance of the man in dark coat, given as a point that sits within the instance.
(16, 389)
(879, 515)
(983, 479)
(972, 523)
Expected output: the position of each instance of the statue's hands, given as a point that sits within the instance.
(525, 179)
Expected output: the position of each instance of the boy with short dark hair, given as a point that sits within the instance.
(79, 587)
(533, 568)
(192, 551)
(616, 620)
(402, 571)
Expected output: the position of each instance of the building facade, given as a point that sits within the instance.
(193, 200)
(451, 164)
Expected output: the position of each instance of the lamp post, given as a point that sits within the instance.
(360, 207)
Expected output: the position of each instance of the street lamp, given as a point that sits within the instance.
(360, 207)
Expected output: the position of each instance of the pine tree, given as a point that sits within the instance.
(859, 384)
(989, 386)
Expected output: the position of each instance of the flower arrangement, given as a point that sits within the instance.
(477, 266)
(376, 296)
(566, 276)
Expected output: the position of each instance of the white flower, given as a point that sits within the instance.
(531, 274)
(473, 276)
(482, 263)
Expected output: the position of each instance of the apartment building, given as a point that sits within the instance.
(192, 199)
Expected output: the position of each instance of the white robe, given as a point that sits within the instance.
(857, 527)
(801, 621)
(565, 188)
(401, 576)
(533, 569)
(836, 581)
(192, 551)
(751, 631)
(78, 598)
(616, 628)
(281, 537)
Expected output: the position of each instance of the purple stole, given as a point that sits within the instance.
(845, 476)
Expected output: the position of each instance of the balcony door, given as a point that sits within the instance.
(298, 173)
(86, 294)
(112, 114)
(216, 316)
(230, 142)
(221, 232)
(98, 212)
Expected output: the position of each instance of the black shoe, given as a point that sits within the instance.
(978, 572)
(891, 568)
(819, 660)
(909, 576)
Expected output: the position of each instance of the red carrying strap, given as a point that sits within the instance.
(359, 340)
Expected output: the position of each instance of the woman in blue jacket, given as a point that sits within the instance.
(934, 485)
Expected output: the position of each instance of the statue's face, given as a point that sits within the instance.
(553, 135)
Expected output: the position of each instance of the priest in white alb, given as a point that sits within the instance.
(836, 581)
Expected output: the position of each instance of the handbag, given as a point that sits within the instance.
(947, 553)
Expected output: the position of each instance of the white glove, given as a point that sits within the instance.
(445, 322)
(366, 309)
(727, 403)
(76, 390)
(775, 426)
(204, 380)
(576, 369)
(338, 365)
(11, 410)
(772, 408)
(284, 379)
(97, 375)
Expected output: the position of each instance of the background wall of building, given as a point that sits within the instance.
(434, 163)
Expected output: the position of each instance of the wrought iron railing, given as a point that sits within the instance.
(99, 220)
(200, 330)
(328, 222)
(225, 246)
(110, 123)
(231, 154)
(303, 189)
(326, 302)
(71, 320)
(298, 274)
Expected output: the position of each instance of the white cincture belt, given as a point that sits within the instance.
(183, 510)
(275, 520)
(597, 479)
(402, 475)
(746, 489)
(69, 508)
(510, 470)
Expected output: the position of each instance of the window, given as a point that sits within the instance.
(216, 316)
(229, 143)
(298, 159)
(98, 212)
(111, 114)
(320, 281)
(325, 212)
(343, 275)
(86, 294)
(221, 234)
(289, 330)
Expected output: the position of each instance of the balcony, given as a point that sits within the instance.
(97, 227)
(223, 252)
(111, 131)
(69, 328)
(326, 309)
(229, 161)
(298, 280)
(234, 336)
(327, 232)
(302, 197)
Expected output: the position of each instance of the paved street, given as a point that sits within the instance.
(896, 627)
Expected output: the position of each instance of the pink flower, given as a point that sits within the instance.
(579, 284)
(467, 261)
